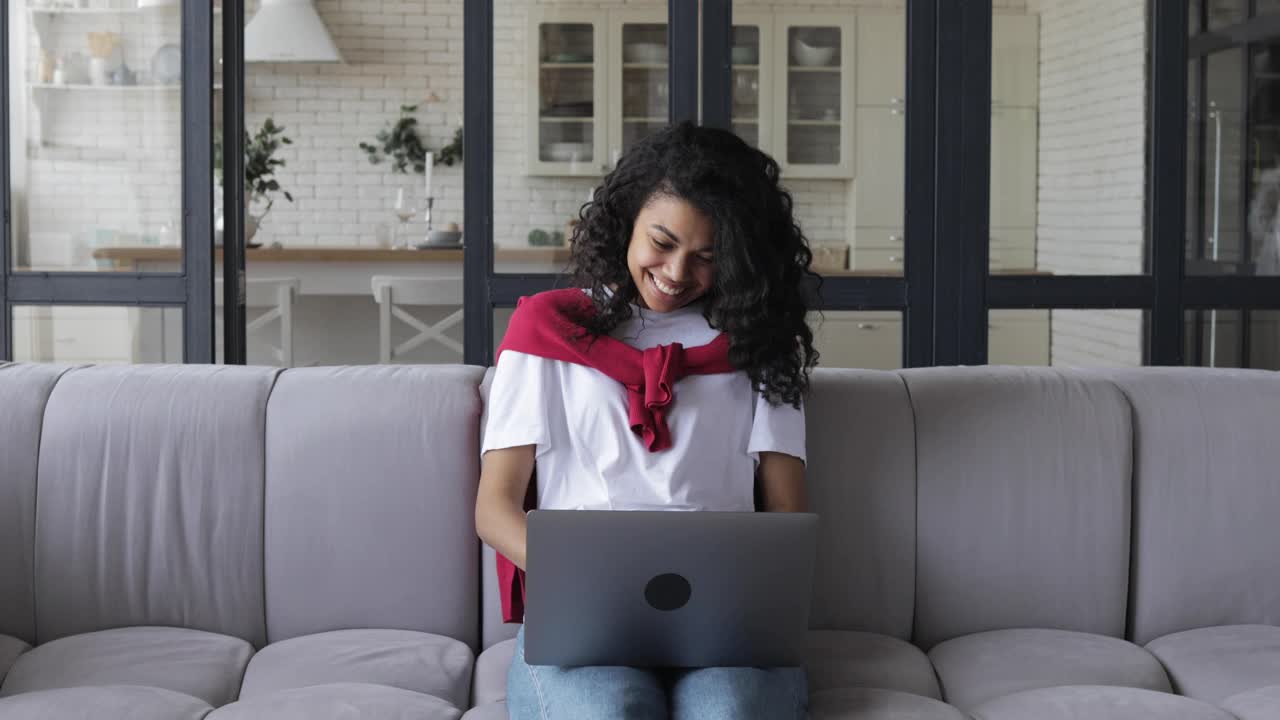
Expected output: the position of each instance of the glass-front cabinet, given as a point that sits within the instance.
(751, 116)
(567, 76)
(813, 104)
(639, 86)
(598, 82)
(793, 85)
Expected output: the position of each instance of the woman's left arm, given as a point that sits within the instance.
(782, 483)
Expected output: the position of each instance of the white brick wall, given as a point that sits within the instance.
(396, 53)
(1092, 164)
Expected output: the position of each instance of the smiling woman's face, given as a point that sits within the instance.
(670, 257)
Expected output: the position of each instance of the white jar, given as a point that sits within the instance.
(98, 71)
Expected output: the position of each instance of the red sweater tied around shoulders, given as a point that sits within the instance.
(548, 325)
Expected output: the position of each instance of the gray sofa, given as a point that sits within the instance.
(226, 543)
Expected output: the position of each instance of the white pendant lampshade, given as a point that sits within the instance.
(288, 31)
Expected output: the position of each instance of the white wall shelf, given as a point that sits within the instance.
(106, 11)
(84, 87)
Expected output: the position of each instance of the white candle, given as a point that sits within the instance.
(430, 160)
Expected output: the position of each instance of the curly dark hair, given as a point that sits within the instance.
(761, 255)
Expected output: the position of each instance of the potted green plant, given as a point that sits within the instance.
(401, 144)
(260, 165)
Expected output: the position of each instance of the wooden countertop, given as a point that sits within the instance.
(550, 256)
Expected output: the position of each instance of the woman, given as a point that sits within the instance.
(672, 378)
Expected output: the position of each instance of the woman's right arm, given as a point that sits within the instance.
(500, 516)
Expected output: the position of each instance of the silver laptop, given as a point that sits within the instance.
(668, 589)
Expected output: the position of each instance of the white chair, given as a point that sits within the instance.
(391, 291)
(277, 294)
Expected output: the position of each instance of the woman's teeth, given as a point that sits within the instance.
(664, 288)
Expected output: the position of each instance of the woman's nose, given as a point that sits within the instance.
(676, 269)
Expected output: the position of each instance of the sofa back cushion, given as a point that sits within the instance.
(1024, 501)
(861, 481)
(1207, 496)
(492, 629)
(370, 500)
(149, 508)
(24, 390)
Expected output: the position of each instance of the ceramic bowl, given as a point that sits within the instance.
(811, 55)
(744, 55)
(441, 238)
(566, 151)
(644, 52)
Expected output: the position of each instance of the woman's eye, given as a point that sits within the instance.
(662, 245)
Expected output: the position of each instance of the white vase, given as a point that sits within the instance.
(98, 71)
(250, 228)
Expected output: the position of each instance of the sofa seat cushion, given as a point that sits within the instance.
(1260, 704)
(980, 667)
(340, 701)
(201, 664)
(492, 711)
(490, 684)
(414, 661)
(877, 704)
(1096, 702)
(834, 659)
(846, 659)
(10, 649)
(109, 701)
(1214, 663)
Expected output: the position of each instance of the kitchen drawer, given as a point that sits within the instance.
(1012, 258)
(871, 340)
(1012, 249)
(1018, 337)
(93, 335)
(878, 238)
(885, 260)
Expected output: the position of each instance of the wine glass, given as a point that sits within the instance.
(405, 207)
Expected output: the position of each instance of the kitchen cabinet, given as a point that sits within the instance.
(568, 70)
(598, 83)
(814, 103)
(871, 340)
(1015, 61)
(793, 85)
(752, 78)
(881, 60)
(1014, 177)
(880, 142)
(1019, 337)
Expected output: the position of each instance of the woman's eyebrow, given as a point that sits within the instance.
(666, 232)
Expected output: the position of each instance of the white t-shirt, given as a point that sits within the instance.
(588, 458)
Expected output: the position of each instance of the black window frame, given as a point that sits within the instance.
(190, 289)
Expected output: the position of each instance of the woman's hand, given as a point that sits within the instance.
(500, 516)
(782, 482)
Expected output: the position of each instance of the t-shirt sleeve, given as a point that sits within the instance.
(517, 412)
(776, 429)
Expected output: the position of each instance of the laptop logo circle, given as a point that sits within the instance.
(667, 592)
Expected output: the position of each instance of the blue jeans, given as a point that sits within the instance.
(545, 692)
